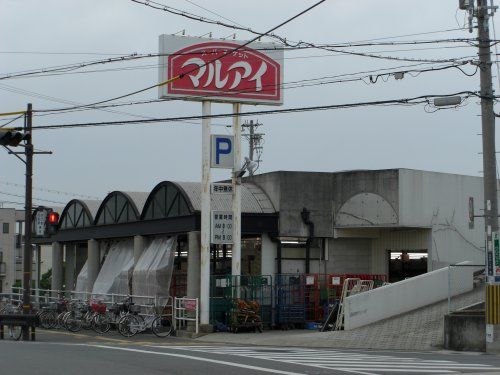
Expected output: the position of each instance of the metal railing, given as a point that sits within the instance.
(50, 295)
(186, 310)
(450, 278)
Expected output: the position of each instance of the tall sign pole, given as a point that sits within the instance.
(28, 253)
(210, 70)
(236, 201)
(205, 217)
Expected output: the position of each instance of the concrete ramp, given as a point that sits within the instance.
(407, 295)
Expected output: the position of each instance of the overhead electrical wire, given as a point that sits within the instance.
(234, 26)
(59, 100)
(406, 101)
(318, 81)
(47, 190)
(182, 75)
(156, 66)
(36, 199)
(70, 68)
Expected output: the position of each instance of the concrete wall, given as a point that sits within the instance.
(440, 201)
(349, 255)
(407, 295)
(323, 194)
(8, 247)
(464, 331)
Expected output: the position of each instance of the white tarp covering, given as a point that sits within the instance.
(153, 271)
(81, 280)
(120, 258)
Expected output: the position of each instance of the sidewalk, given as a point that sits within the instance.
(420, 330)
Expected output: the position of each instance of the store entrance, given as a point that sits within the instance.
(404, 264)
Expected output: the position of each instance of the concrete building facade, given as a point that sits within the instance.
(350, 222)
(11, 251)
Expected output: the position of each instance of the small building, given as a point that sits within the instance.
(11, 251)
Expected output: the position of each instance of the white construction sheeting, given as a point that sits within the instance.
(113, 276)
(153, 271)
(81, 280)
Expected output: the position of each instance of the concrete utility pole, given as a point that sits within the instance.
(28, 251)
(488, 122)
(254, 143)
(489, 160)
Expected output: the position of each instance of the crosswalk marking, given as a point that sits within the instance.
(358, 363)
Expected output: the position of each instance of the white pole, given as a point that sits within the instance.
(205, 218)
(236, 202)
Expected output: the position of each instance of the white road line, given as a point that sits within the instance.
(343, 361)
(240, 365)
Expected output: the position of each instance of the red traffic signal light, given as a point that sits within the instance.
(53, 218)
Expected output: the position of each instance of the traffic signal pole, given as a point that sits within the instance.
(28, 253)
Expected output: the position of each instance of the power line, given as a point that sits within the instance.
(156, 66)
(208, 62)
(47, 190)
(324, 80)
(404, 101)
(194, 17)
(37, 199)
(59, 100)
(69, 68)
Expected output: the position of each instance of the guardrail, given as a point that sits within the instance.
(50, 295)
(451, 279)
(186, 310)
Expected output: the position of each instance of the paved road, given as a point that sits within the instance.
(60, 353)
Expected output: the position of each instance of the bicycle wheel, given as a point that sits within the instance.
(101, 323)
(48, 319)
(87, 319)
(162, 326)
(60, 320)
(15, 332)
(128, 326)
(73, 323)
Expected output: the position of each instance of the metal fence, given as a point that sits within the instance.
(475, 276)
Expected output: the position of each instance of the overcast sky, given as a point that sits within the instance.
(94, 161)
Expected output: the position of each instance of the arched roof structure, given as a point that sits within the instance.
(171, 207)
(78, 214)
(120, 207)
(167, 199)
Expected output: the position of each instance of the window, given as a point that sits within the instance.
(5, 228)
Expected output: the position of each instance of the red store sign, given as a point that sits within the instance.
(214, 70)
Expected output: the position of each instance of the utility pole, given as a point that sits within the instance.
(254, 142)
(492, 261)
(28, 251)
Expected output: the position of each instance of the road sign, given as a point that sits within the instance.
(41, 222)
(210, 69)
(471, 212)
(221, 151)
(490, 263)
(496, 248)
(222, 227)
(221, 188)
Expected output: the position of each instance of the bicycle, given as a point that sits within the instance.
(131, 324)
(101, 323)
(13, 332)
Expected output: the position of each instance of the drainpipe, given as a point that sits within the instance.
(305, 215)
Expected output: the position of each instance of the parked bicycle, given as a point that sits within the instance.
(159, 323)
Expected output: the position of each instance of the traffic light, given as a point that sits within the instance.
(52, 222)
(12, 138)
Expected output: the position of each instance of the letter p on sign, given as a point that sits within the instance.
(221, 151)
